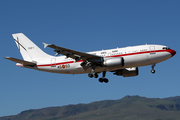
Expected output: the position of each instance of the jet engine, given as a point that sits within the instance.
(115, 61)
(127, 72)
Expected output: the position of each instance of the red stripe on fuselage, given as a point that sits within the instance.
(128, 54)
(55, 64)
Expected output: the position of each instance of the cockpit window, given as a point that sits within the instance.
(165, 48)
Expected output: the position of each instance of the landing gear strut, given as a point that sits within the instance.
(153, 71)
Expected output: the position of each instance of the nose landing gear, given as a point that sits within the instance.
(153, 71)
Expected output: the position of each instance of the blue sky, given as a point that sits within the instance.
(86, 26)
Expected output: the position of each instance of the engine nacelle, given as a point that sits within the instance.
(111, 62)
(127, 72)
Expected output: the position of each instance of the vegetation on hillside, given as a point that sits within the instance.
(127, 108)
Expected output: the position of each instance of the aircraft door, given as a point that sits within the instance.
(109, 55)
(152, 55)
(53, 62)
(152, 49)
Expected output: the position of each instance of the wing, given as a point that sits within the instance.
(20, 61)
(74, 54)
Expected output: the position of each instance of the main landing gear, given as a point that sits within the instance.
(93, 73)
(153, 71)
(101, 80)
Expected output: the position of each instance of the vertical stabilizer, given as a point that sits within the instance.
(27, 48)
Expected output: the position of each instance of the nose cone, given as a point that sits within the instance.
(173, 52)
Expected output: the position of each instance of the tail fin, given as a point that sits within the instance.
(27, 48)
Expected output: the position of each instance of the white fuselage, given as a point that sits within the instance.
(133, 57)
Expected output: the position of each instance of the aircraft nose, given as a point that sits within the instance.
(173, 52)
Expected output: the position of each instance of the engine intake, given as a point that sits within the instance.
(127, 72)
(111, 62)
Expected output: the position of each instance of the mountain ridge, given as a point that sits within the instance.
(129, 107)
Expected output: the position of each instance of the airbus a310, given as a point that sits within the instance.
(121, 61)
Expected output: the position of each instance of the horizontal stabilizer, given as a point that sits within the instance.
(20, 61)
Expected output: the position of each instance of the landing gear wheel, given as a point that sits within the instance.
(106, 80)
(95, 75)
(103, 80)
(90, 75)
(100, 80)
(153, 71)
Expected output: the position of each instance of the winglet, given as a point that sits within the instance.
(45, 45)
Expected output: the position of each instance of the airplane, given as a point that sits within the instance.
(121, 61)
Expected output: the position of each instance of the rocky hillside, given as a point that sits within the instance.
(129, 108)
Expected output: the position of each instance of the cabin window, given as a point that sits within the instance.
(103, 52)
(115, 51)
